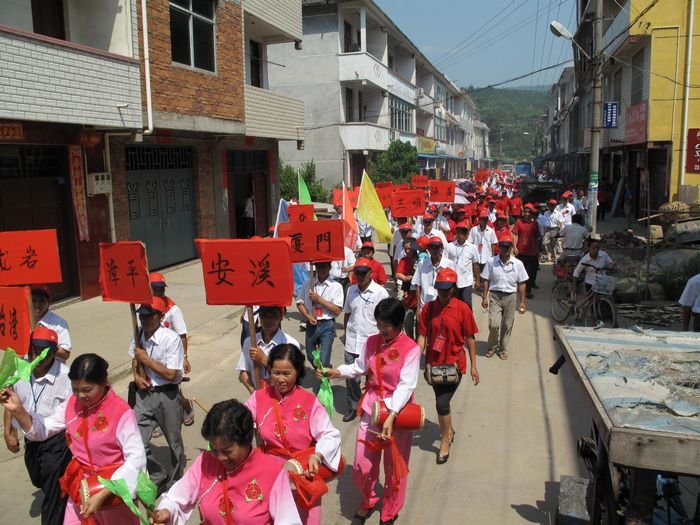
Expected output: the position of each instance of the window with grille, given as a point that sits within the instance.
(637, 94)
(192, 33)
(440, 129)
(255, 64)
(401, 114)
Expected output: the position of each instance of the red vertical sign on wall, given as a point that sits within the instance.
(77, 185)
(692, 162)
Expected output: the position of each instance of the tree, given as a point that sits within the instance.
(397, 164)
(289, 186)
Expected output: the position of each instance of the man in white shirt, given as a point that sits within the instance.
(574, 236)
(427, 229)
(690, 301)
(157, 365)
(484, 238)
(424, 278)
(364, 229)
(594, 260)
(269, 336)
(340, 269)
(47, 388)
(359, 324)
(566, 208)
(399, 236)
(504, 278)
(41, 299)
(320, 308)
(553, 222)
(465, 258)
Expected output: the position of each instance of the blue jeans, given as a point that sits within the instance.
(321, 335)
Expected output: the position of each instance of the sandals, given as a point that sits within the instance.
(188, 419)
(491, 351)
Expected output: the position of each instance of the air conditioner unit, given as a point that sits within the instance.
(420, 92)
(394, 134)
(99, 183)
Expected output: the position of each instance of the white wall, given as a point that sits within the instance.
(17, 14)
(102, 24)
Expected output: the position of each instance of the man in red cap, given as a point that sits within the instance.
(504, 279)
(41, 300)
(465, 258)
(427, 229)
(378, 272)
(403, 232)
(484, 238)
(359, 323)
(491, 209)
(157, 365)
(47, 388)
(501, 228)
(527, 240)
(567, 208)
(424, 278)
(503, 203)
(553, 222)
(173, 319)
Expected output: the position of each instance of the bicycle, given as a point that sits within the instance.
(596, 308)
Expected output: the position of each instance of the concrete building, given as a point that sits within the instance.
(365, 84)
(649, 74)
(171, 101)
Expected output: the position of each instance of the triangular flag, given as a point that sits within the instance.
(349, 220)
(14, 368)
(370, 210)
(304, 195)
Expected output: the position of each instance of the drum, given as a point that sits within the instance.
(90, 486)
(300, 464)
(411, 417)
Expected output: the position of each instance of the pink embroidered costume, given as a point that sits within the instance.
(258, 493)
(102, 438)
(392, 374)
(294, 423)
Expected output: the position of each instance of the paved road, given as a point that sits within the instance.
(516, 431)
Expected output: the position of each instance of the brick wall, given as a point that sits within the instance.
(52, 81)
(186, 90)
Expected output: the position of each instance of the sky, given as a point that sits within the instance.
(459, 40)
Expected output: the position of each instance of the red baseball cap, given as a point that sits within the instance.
(567, 194)
(362, 263)
(445, 279)
(435, 240)
(428, 217)
(43, 337)
(157, 305)
(423, 243)
(507, 240)
(462, 226)
(501, 215)
(405, 227)
(530, 206)
(484, 215)
(432, 207)
(156, 279)
(368, 244)
(552, 201)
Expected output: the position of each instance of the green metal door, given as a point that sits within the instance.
(161, 202)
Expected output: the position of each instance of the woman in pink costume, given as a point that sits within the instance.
(102, 434)
(289, 420)
(232, 482)
(391, 362)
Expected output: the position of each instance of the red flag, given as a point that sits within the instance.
(384, 194)
(419, 181)
(124, 272)
(442, 191)
(350, 222)
(29, 257)
(407, 203)
(15, 318)
(354, 194)
(315, 240)
(300, 212)
(247, 272)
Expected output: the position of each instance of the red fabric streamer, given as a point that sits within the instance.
(400, 466)
(309, 491)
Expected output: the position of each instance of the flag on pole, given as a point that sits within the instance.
(370, 210)
(299, 270)
(304, 195)
(349, 220)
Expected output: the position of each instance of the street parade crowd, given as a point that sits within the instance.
(270, 456)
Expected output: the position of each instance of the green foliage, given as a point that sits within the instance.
(514, 112)
(397, 164)
(289, 185)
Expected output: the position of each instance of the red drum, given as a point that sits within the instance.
(299, 464)
(411, 417)
(90, 486)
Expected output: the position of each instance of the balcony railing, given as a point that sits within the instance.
(363, 66)
(358, 136)
(272, 115)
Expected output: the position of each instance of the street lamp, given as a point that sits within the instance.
(559, 30)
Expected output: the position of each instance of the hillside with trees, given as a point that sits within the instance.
(513, 117)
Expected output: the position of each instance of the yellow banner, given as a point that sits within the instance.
(370, 210)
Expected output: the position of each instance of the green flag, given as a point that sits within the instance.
(325, 392)
(119, 488)
(304, 195)
(14, 368)
(146, 490)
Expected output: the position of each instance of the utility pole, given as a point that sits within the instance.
(596, 117)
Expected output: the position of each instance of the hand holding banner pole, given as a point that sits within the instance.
(254, 344)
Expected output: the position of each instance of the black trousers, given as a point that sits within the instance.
(531, 264)
(46, 462)
(443, 396)
(465, 295)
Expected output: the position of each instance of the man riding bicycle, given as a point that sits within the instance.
(594, 260)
